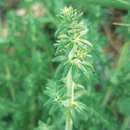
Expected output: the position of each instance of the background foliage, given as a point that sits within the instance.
(27, 37)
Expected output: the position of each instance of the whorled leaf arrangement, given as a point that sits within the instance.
(72, 51)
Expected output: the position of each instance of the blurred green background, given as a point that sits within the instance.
(27, 36)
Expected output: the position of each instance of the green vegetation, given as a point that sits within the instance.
(64, 65)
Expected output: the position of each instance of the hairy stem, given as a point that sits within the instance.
(69, 122)
(70, 95)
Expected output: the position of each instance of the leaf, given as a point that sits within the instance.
(72, 52)
(120, 4)
(59, 59)
(86, 42)
(42, 126)
(123, 55)
(80, 107)
(124, 106)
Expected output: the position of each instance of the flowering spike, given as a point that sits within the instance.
(71, 38)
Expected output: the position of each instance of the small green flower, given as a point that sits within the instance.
(71, 44)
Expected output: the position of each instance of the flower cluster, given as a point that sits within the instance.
(72, 46)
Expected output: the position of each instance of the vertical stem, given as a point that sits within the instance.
(125, 123)
(70, 95)
(69, 122)
(107, 97)
(8, 80)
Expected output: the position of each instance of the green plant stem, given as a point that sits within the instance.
(107, 96)
(69, 122)
(122, 59)
(126, 123)
(12, 92)
(70, 95)
(8, 80)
